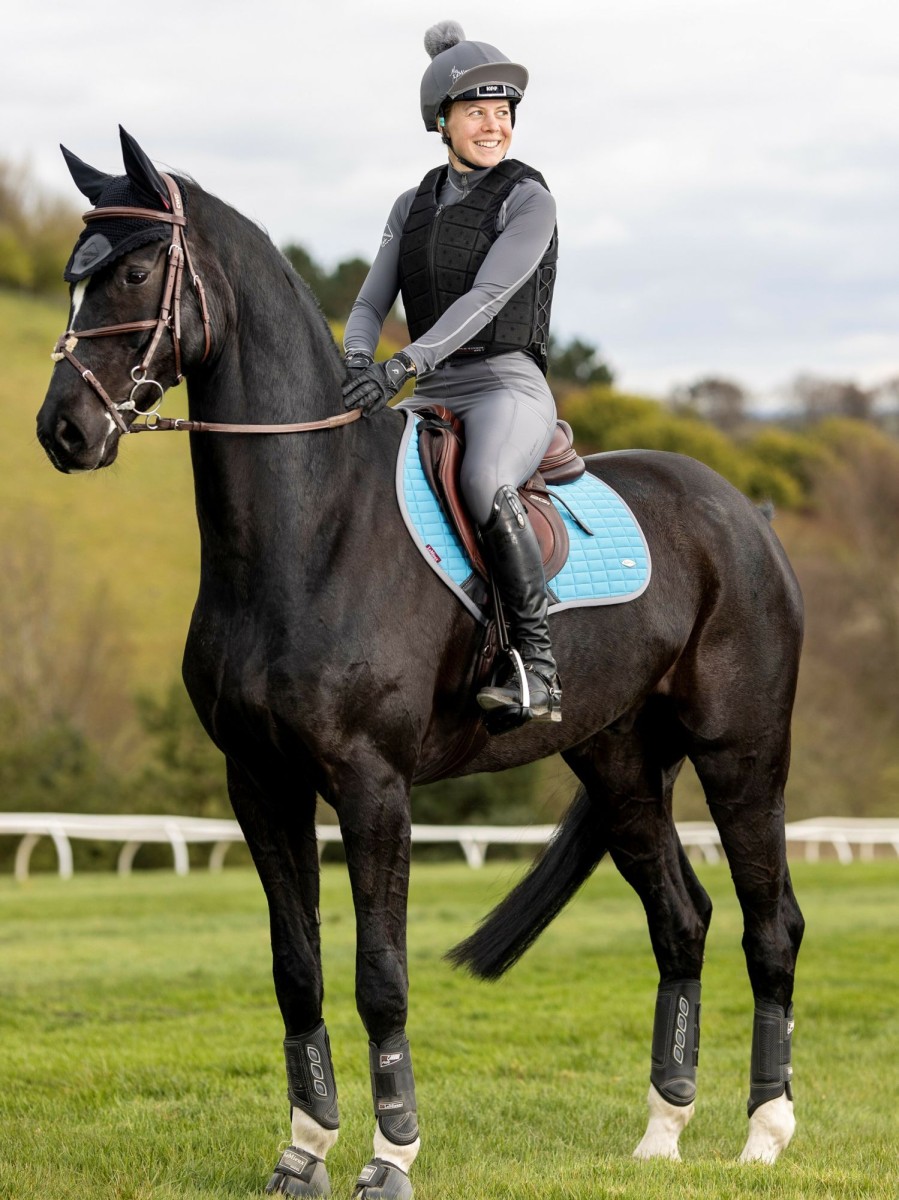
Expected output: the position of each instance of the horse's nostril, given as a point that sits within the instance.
(68, 434)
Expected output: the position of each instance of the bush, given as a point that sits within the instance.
(604, 419)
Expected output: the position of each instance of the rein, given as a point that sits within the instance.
(168, 318)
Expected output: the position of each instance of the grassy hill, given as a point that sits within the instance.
(128, 531)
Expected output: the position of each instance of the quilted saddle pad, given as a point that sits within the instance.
(611, 565)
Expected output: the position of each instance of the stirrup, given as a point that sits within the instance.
(527, 696)
(299, 1173)
(380, 1180)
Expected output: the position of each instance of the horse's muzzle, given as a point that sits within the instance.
(76, 436)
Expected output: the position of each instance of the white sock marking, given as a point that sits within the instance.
(307, 1134)
(666, 1123)
(770, 1129)
(401, 1156)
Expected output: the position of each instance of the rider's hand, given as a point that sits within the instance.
(372, 388)
(357, 360)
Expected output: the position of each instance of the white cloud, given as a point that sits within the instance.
(724, 169)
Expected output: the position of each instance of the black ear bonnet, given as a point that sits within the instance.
(108, 238)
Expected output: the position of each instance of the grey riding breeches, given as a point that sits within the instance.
(509, 416)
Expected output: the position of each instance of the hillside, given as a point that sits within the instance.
(129, 531)
(100, 572)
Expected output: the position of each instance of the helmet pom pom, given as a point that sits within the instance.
(443, 36)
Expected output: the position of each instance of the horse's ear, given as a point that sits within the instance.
(89, 181)
(142, 173)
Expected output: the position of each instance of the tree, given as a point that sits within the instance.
(37, 233)
(577, 362)
(817, 398)
(335, 291)
(722, 402)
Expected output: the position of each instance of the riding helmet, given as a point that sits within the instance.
(463, 70)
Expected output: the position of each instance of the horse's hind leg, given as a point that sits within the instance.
(629, 773)
(278, 822)
(744, 787)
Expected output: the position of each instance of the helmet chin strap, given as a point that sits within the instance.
(457, 156)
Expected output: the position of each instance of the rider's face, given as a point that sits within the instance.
(480, 130)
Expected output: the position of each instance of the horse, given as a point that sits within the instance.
(325, 658)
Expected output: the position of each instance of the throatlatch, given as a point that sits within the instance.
(393, 1089)
(771, 1071)
(310, 1075)
(675, 1041)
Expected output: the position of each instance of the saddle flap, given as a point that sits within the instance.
(441, 446)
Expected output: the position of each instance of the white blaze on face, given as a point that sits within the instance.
(78, 299)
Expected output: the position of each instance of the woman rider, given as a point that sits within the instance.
(473, 251)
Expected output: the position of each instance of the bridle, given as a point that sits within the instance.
(168, 318)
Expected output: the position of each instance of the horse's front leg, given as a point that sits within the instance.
(373, 807)
(277, 817)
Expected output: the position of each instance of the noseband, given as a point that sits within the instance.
(168, 318)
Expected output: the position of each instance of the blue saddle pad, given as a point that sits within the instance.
(609, 566)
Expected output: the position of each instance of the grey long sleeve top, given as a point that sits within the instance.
(525, 225)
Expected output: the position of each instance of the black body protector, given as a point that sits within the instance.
(442, 249)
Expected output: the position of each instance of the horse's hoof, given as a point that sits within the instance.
(380, 1180)
(299, 1173)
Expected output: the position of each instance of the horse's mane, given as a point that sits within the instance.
(239, 230)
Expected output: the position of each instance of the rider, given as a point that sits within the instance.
(473, 250)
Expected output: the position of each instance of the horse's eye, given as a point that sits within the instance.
(136, 275)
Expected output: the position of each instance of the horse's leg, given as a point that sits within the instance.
(375, 825)
(629, 773)
(744, 784)
(278, 822)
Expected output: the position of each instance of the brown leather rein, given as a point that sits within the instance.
(168, 318)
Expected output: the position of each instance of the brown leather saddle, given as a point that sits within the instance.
(441, 445)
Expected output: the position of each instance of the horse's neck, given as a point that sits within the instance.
(276, 363)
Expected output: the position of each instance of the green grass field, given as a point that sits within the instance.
(140, 1043)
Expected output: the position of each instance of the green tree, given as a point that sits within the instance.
(577, 362)
(185, 772)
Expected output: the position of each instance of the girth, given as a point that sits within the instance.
(441, 445)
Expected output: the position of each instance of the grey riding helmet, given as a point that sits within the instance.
(463, 70)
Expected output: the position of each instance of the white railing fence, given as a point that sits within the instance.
(842, 834)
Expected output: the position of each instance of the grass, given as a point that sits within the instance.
(140, 1043)
(99, 531)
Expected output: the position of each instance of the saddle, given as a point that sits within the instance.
(441, 444)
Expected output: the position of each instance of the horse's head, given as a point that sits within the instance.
(129, 337)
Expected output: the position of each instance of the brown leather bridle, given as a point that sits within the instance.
(168, 318)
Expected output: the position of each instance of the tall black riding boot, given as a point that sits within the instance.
(513, 555)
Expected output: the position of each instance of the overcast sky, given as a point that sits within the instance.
(726, 171)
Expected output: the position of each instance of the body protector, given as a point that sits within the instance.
(441, 252)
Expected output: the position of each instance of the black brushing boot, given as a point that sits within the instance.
(513, 555)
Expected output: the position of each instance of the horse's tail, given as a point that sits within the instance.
(516, 922)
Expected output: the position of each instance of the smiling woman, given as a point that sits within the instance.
(473, 250)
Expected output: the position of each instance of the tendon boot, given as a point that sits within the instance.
(530, 689)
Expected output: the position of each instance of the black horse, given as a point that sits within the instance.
(325, 658)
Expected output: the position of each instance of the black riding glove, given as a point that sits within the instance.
(357, 360)
(372, 388)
